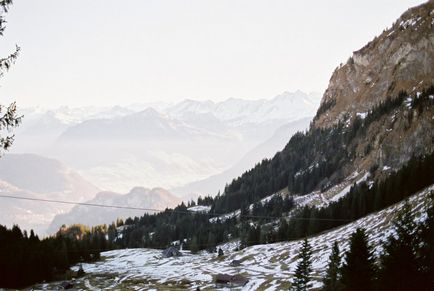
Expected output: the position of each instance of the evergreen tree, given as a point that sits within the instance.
(331, 279)
(244, 235)
(253, 235)
(358, 270)
(211, 244)
(426, 263)
(304, 268)
(194, 245)
(112, 233)
(282, 232)
(399, 264)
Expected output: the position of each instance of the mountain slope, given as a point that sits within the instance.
(354, 131)
(399, 59)
(389, 141)
(267, 267)
(46, 176)
(265, 150)
(138, 197)
(28, 175)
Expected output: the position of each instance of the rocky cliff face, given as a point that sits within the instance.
(401, 58)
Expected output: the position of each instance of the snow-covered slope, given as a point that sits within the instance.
(316, 198)
(268, 267)
(287, 106)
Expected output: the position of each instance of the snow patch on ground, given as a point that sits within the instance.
(199, 208)
(347, 189)
(268, 267)
(362, 115)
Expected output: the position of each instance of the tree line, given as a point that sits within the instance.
(26, 259)
(259, 223)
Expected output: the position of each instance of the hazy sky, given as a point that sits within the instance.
(104, 52)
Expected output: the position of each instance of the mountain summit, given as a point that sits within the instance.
(399, 59)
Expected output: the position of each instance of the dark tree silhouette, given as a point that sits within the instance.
(301, 281)
(358, 270)
(399, 264)
(331, 279)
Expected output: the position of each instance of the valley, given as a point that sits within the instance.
(295, 192)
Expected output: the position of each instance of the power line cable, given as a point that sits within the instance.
(216, 215)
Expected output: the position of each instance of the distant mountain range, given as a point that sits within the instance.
(286, 106)
(169, 145)
(192, 147)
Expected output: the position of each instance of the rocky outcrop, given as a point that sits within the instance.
(400, 59)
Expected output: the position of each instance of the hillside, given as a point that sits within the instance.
(401, 58)
(215, 183)
(45, 176)
(354, 131)
(268, 267)
(387, 143)
(28, 175)
(138, 197)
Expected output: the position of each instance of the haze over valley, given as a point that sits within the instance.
(191, 148)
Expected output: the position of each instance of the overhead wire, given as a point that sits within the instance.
(214, 215)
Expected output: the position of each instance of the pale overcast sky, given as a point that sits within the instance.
(104, 52)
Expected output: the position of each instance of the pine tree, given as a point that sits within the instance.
(111, 233)
(194, 246)
(304, 268)
(358, 270)
(426, 263)
(331, 279)
(399, 264)
(211, 245)
(282, 233)
(244, 233)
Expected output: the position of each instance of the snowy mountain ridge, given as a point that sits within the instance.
(293, 105)
(287, 106)
(158, 144)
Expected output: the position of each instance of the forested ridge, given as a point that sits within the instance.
(323, 148)
(311, 160)
(158, 230)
